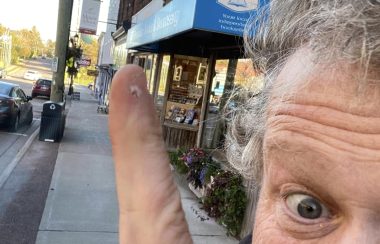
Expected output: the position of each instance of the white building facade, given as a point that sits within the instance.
(105, 40)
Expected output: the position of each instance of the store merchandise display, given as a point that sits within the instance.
(186, 91)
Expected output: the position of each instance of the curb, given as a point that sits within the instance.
(12, 68)
(8, 170)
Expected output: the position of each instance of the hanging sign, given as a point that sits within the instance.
(91, 72)
(89, 17)
(84, 62)
(54, 64)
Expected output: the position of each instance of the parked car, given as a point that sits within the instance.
(3, 73)
(31, 75)
(42, 87)
(15, 106)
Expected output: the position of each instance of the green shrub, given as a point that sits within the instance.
(213, 169)
(177, 162)
(226, 201)
(196, 160)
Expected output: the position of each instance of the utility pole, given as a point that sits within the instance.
(61, 45)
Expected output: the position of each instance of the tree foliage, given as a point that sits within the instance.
(27, 43)
(90, 50)
(49, 48)
(3, 29)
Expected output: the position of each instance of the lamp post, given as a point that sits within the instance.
(63, 32)
(76, 39)
(74, 53)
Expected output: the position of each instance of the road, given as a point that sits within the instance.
(17, 74)
(11, 143)
(23, 194)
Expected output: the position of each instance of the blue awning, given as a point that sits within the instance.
(182, 16)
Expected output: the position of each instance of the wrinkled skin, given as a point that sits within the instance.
(323, 141)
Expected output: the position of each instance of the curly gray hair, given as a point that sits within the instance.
(334, 30)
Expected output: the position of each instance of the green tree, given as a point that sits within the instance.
(19, 49)
(90, 50)
(49, 48)
(36, 42)
(27, 44)
(3, 29)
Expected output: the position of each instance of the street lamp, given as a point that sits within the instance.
(74, 53)
(76, 39)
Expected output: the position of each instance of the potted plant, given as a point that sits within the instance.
(226, 201)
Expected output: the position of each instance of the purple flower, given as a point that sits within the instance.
(189, 159)
(202, 176)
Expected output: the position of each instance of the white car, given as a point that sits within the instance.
(31, 75)
(3, 73)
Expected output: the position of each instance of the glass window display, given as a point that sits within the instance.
(242, 76)
(186, 90)
(186, 86)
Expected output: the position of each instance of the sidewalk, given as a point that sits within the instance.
(81, 206)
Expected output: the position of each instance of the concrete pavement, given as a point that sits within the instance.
(23, 194)
(82, 206)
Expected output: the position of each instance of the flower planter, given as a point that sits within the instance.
(199, 192)
(221, 188)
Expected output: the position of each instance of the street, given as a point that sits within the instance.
(24, 185)
(17, 74)
(11, 143)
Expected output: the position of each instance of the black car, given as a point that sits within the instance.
(15, 107)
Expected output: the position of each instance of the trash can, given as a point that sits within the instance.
(53, 120)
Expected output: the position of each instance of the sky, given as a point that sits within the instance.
(19, 14)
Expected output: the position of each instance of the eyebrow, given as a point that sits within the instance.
(294, 167)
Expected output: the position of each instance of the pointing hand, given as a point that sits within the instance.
(150, 208)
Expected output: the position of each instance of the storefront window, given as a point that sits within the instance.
(148, 63)
(184, 101)
(229, 75)
(246, 77)
(186, 90)
(162, 81)
(150, 67)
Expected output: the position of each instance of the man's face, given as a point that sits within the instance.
(321, 179)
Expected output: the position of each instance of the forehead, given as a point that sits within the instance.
(340, 85)
(322, 120)
(323, 131)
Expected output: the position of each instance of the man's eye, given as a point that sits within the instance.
(306, 206)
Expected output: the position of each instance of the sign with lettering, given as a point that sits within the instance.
(89, 17)
(222, 16)
(227, 16)
(84, 62)
(176, 17)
